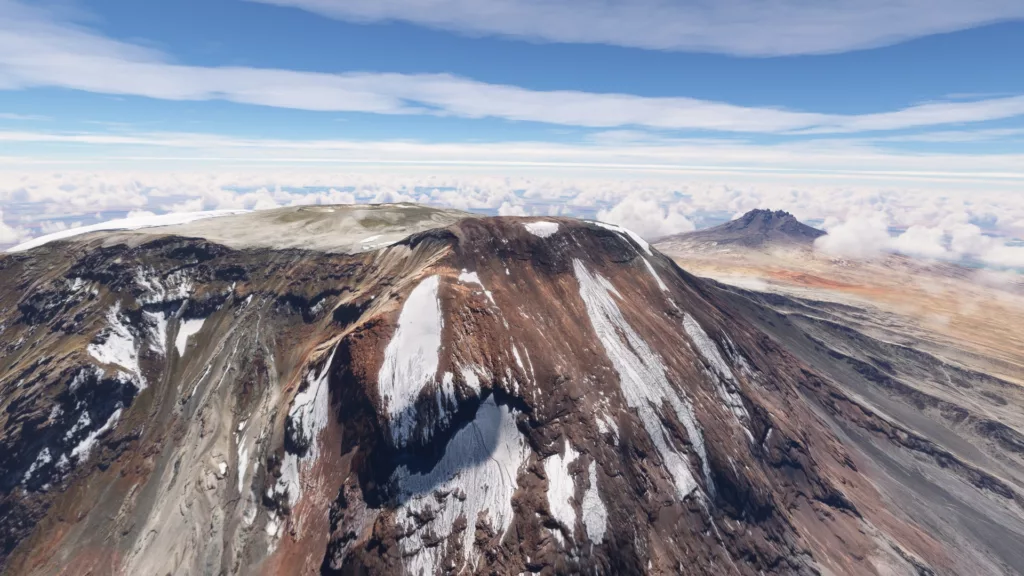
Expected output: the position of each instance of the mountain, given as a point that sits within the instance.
(757, 228)
(933, 346)
(424, 392)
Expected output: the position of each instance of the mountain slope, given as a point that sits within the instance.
(497, 395)
(933, 350)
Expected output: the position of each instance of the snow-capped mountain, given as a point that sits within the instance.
(402, 390)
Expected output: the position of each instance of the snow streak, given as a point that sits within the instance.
(411, 358)
(643, 380)
(725, 383)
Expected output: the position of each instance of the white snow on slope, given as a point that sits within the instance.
(119, 348)
(85, 446)
(311, 407)
(82, 377)
(472, 278)
(542, 229)
(469, 375)
(186, 330)
(158, 331)
(725, 382)
(642, 379)
(41, 460)
(243, 464)
(650, 268)
(124, 224)
(636, 237)
(411, 357)
(561, 487)
(157, 287)
(595, 515)
(309, 416)
(475, 478)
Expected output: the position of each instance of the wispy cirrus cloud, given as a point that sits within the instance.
(621, 152)
(22, 117)
(739, 27)
(39, 51)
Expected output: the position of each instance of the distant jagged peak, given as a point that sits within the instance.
(756, 228)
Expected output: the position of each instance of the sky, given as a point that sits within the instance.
(668, 114)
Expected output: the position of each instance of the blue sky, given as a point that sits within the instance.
(877, 95)
(773, 82)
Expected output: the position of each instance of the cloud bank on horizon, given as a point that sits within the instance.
(863, 222)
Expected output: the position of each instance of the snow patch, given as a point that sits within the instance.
(642, 379)
(472, 278)
(595, 515)
(158, 288)
(475, 479)
(187, 329)
(119, 347)
(41, 460)
(80, 378)
(470, 377)
(243, 464)
(157, 322)
(411, 357)
(606, 424)
(561, 487)
(541, 229)
(81, 452)
(308, 416)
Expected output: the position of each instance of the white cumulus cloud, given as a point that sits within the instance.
(647, 217)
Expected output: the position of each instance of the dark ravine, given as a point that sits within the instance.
(493, 395)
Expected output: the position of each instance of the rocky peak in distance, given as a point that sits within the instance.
(755, 229)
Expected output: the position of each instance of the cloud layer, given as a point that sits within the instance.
(946, 225)
(953, 238)
(39, 51)
(739, 27)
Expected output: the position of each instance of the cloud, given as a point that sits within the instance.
(647, 217)
(36, 203)
(22, 117)
(509, 209)
(921, 241)
(740, 27)
(9, 234)
(824, 160)
(860, 237)
(39, 51)
(867, 236)
(969, 240)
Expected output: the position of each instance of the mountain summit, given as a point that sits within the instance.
(757, 228)
(484, 396)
